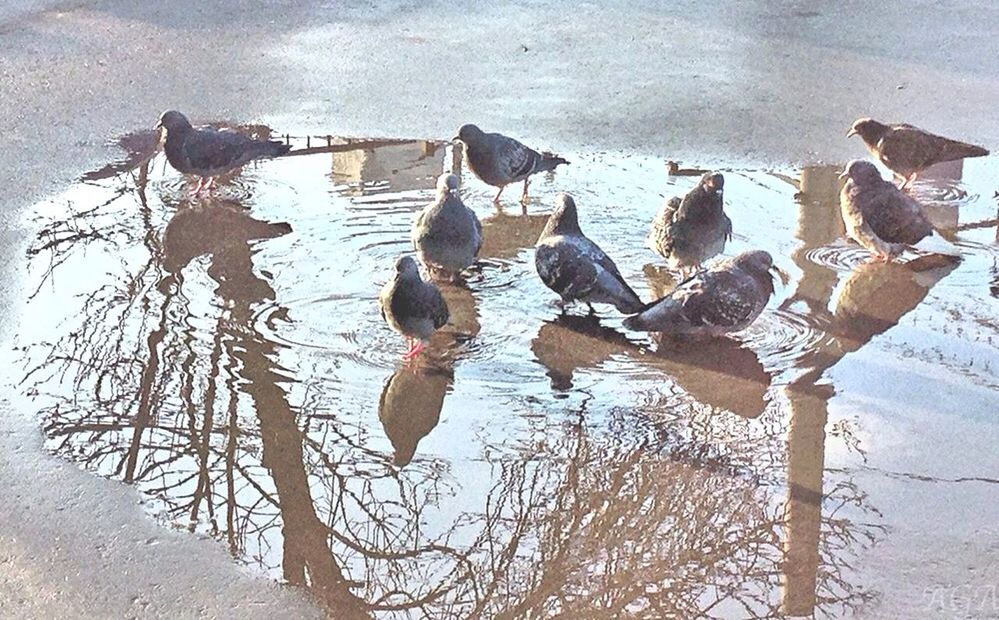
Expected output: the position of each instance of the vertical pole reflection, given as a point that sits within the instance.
(819, 223)
(803, 510)
(871, 299)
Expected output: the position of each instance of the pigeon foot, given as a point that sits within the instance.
(415, 348)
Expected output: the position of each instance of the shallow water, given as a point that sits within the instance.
(226, 356)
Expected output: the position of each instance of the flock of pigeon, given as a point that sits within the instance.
(723, 298)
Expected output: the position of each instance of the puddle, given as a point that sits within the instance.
(227, 358)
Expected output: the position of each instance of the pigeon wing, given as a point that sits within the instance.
(719, 298)
(208, 149)
(895, 217)
(910, 149)
(565, 269)
(514, 160)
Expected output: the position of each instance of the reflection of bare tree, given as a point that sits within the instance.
(167, 378)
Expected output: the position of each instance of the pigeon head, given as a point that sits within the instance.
(862, 172)
(447, 182)
(563, 221)
(406, 266)
(713, 182)
(468, 133)
(760, 265)
(173, 121)
(869, 130)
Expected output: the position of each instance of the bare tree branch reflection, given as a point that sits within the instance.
(164, 377)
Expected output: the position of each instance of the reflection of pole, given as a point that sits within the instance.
(803, 513)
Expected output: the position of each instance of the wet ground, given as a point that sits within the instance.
(226, 357)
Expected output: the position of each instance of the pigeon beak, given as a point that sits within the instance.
(784, 277)
(851, 133)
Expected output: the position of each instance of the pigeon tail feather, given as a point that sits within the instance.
(549, 162)
(273, 148)
(936, 244)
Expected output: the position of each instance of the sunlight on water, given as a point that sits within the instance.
(227, 357)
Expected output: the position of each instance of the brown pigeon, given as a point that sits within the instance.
(908, 150)
(883, 218)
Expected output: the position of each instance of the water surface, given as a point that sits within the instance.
(226, 356)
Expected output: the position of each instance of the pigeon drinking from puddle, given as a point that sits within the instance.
(575, 268)
(723, 299)
(499, 161)
(412, 307)
(688, 232)
(883, 218)
(207, 152)
(446, 234)
(908, 150)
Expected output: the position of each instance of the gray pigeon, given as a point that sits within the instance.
(207, 152)
(908, 150)
(690, 231)
(412, 307)
(446, 234)
(725, 298)
(498, 160)
(575, 268)
(883, 218)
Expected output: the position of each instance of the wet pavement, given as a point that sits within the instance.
(226, 357)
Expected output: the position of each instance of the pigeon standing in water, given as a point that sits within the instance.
(575, 268)
(723, 299)
(412, 307)
(447, 235)
(690, 231)
(884, 219)
(498, 160)
(908, 150)
(207, 152)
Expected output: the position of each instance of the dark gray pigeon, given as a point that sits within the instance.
(690, 231)
(499, 161)
(575, 268)
(883, 218)
(207, 152)
(412, 307)
(446, 234)
(908, 150)
(723, 299)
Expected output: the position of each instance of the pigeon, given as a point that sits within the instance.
(446, 234)
(908, 150)
(498, 160)
(688, 232)
(207, 152)
(412, 307)
(713, 302)
(575, 268)
(883, 218)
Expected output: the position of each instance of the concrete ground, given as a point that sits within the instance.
(749, 82)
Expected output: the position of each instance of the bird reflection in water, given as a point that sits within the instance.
(718, 372)
(413, 397)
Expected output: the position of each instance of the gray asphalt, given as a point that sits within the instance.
(749, 82)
